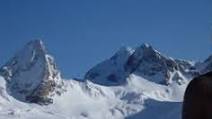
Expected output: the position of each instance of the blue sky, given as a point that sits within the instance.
(82, 33)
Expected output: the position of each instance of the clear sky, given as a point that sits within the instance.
(82, 33)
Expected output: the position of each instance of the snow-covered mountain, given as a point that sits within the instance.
(31, 74)
(143, 61)
(134, 83)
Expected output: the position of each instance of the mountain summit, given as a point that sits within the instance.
(153, 65)
(143, 61)
(32, 75)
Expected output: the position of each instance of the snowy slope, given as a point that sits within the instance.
(133, 84)
(85, 100)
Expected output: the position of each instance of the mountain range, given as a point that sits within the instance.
(134, 83)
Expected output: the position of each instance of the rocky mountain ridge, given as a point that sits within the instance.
(143, 61)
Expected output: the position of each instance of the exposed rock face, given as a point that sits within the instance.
(151, 64)
(144, 61)
(197, 100)
(32, 75)
(147, 62)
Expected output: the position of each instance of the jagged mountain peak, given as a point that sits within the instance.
(146, 46)
(147, 55)
(31, 74)
(144, 61)
(149, 63)
(146, 50)
(37, 44)
(33, 47)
